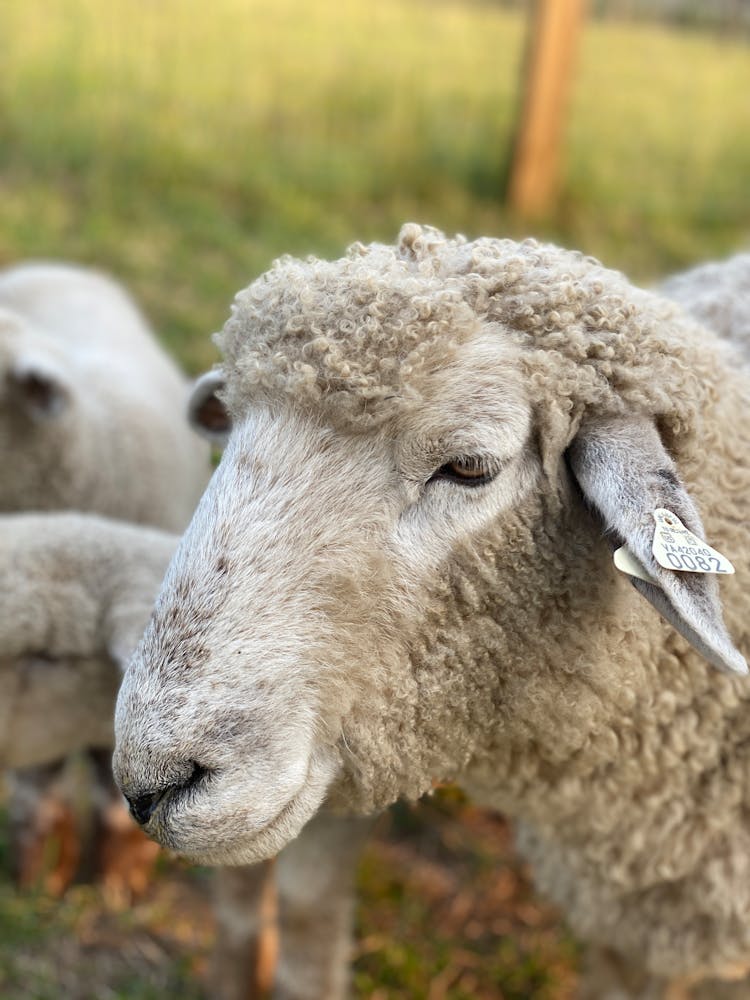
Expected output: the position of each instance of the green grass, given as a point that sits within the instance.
(183, 144)
(84, 948)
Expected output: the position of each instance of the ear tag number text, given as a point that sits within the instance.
(676, 547)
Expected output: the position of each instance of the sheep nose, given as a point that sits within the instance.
(142, 806)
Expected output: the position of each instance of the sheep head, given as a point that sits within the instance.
(397, 571)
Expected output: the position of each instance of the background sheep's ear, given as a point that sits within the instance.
(625, 474)
(206, 412)
(38, 389)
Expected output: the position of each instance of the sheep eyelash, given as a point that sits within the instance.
(470, 471)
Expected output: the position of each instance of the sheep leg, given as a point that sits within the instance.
(316, 904)
(304, 921)
(244, 955)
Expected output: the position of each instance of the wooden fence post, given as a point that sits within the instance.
(548, 73)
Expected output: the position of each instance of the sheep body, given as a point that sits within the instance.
(511, 656)
(91, 408)
(75, 593)
(718, 295)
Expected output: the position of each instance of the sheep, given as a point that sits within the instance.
(91, 408)
(92, 417)
(717, 294)
(401, 573)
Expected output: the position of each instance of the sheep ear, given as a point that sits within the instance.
(207, 414)
(625, 474)
(38, 389)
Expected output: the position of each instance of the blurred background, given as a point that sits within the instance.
(182, 145)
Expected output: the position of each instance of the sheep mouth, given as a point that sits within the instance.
(201, 837)
(174, 795)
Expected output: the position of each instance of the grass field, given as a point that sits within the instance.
(183, 145)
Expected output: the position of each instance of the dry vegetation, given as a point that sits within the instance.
(446, 912)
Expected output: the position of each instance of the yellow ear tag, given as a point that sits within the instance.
(676, 547)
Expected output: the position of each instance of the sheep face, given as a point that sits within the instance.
(393, 577)
(91, 409)
(298, 599)
(37, 411)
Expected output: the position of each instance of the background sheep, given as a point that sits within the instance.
(75, 594)
(718, 294)
(398, 575)
(91, 408)
(91, 418)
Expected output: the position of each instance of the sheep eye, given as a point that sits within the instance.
(466, 470)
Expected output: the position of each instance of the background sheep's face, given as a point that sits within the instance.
(291, 621)
(36, 408)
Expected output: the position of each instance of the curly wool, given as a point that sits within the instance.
(358, 336)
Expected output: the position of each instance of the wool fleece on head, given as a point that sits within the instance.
(402, 572)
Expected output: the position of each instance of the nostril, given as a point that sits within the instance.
(142, 806)
(198, 774)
